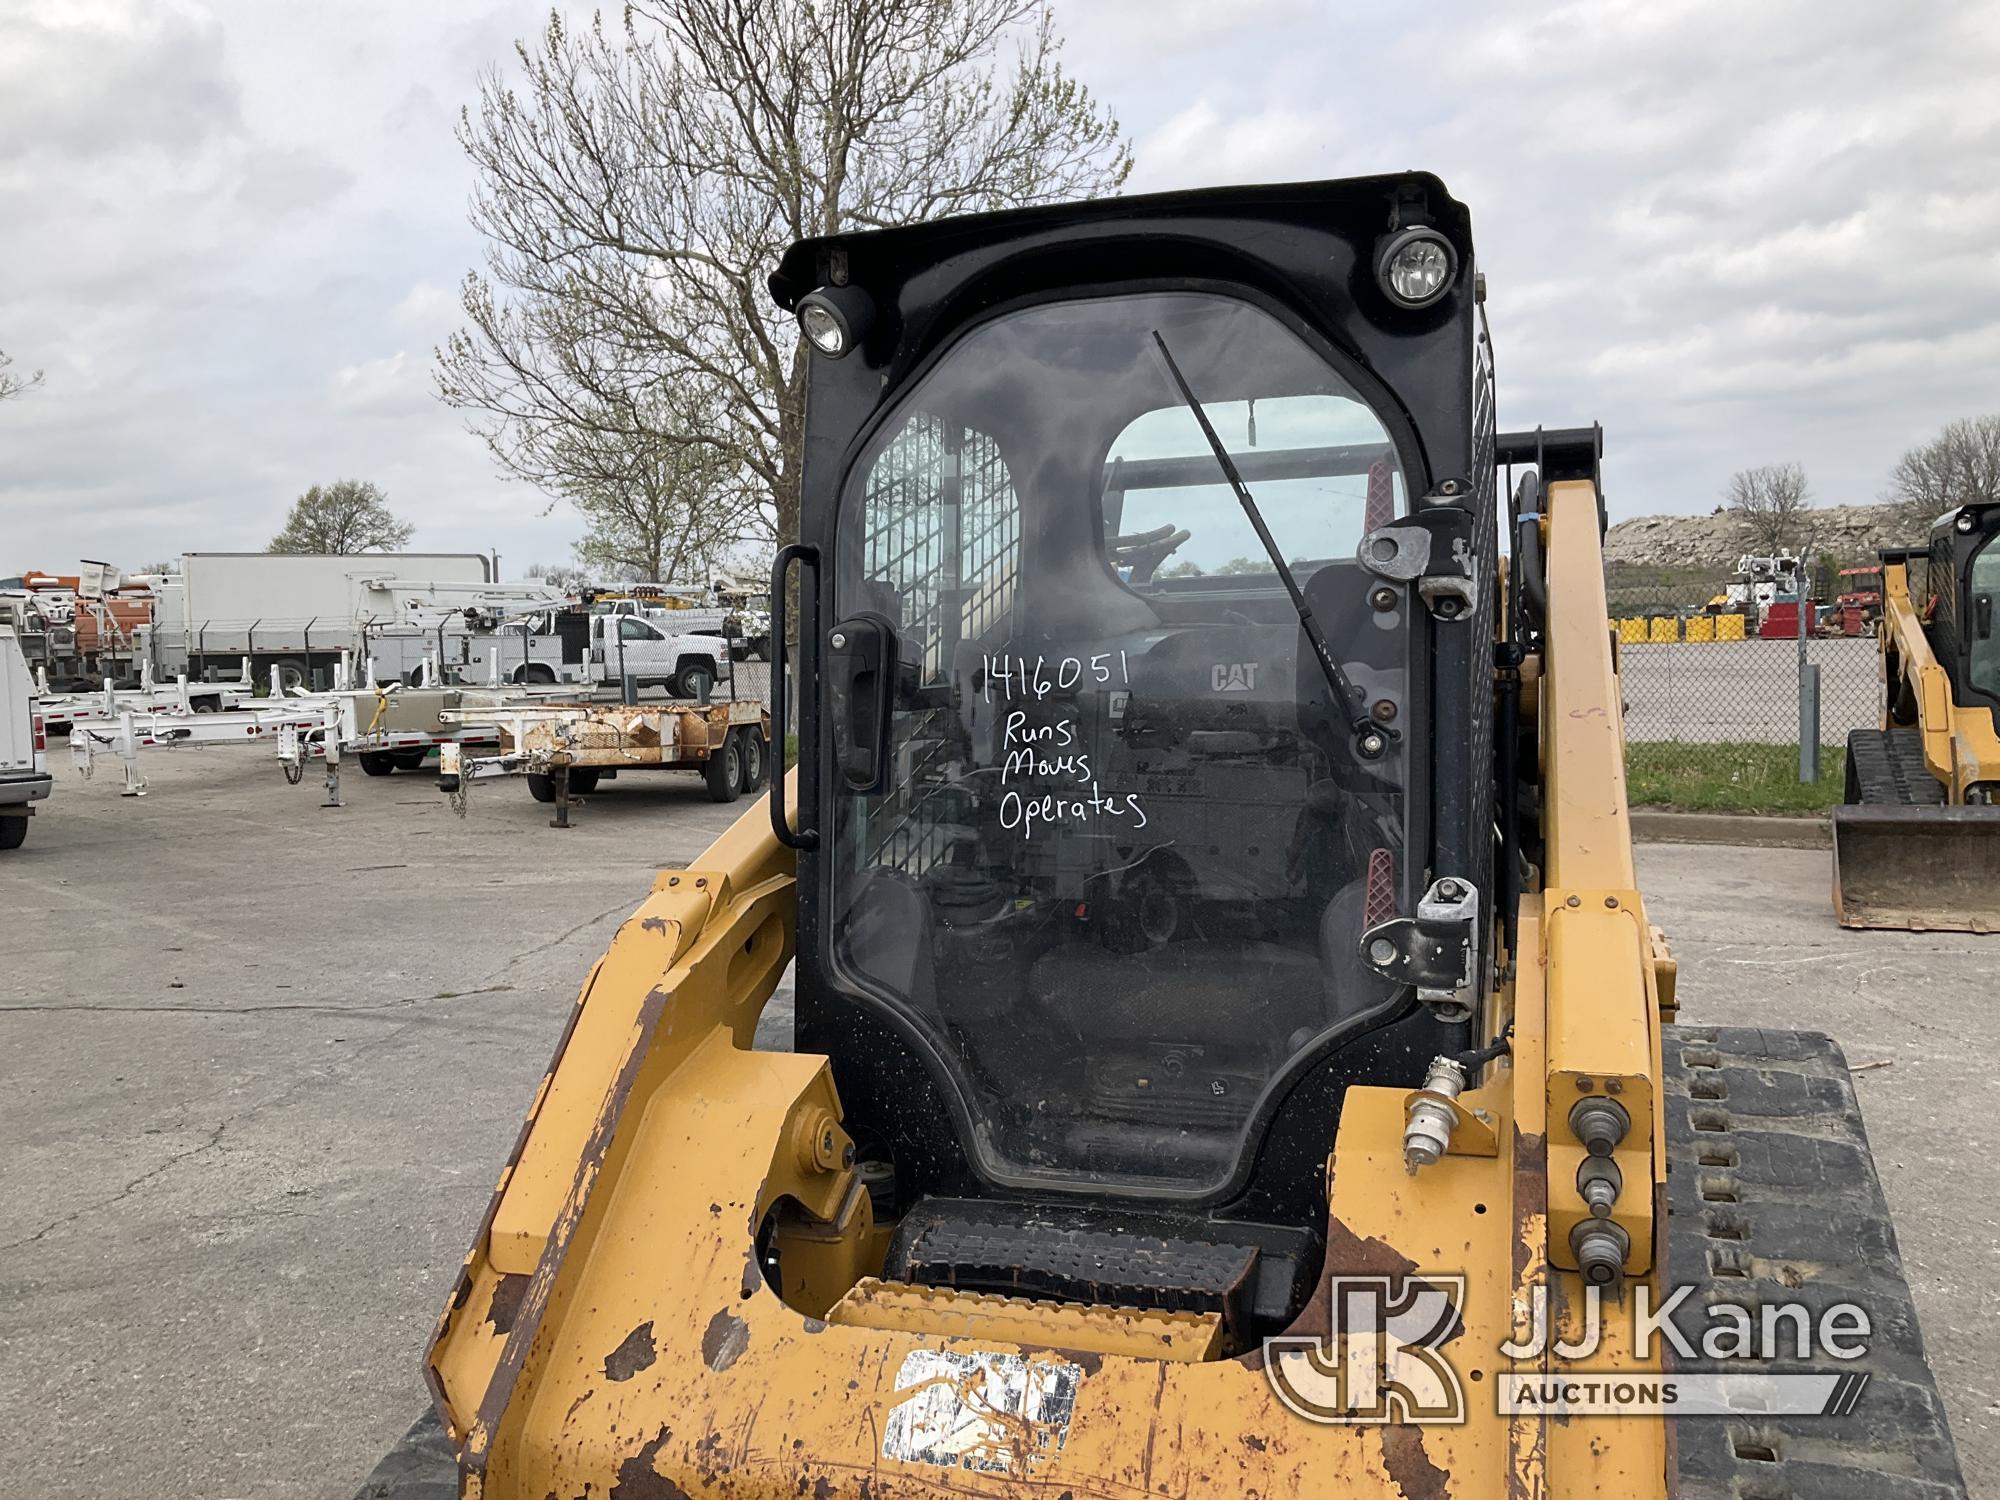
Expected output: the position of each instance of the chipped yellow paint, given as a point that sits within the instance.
(1142, 1333)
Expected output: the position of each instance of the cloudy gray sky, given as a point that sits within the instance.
(1735, 231)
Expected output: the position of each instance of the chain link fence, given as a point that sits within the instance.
(1711, 699)
(1712, 692)
(747, 681)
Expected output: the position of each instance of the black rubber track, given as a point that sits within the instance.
(1885, 768)
(422, 1466)
(1773, 1197)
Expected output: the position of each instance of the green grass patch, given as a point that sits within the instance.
(1732, 778)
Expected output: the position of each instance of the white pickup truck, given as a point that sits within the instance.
(685, 662)
(614, 640)
(24, 766)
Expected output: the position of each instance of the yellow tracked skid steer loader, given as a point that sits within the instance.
(1228, 1055)
(1917, 844)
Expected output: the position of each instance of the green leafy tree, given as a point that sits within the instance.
(349, 515)
(663, 512)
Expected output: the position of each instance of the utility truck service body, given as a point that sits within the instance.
(24, 771)
(299, 611)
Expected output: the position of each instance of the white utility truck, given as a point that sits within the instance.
(24, 769)
(603, 643)
(298, 612)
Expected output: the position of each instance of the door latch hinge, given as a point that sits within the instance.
(1433, 550)
(1436, 950)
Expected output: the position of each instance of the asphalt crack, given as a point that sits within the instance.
(213, 1143)
(257, 1010)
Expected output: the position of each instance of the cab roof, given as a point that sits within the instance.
(1362, 208)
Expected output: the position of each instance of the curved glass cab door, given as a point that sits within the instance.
(1119, 852)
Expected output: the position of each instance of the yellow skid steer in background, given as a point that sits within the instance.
(1918, 843)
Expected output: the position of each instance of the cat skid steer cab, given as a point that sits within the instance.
(1228, 1034)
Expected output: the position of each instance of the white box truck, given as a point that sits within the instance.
(24, 766)
(298, 612)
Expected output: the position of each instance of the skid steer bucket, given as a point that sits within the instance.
(1922, 869)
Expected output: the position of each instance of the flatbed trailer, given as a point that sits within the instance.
(63, 711)
(301, 728)
(384, 729)
(565, 749)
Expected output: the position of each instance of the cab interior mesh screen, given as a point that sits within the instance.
(941, 552)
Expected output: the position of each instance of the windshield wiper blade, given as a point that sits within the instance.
(1370, 738)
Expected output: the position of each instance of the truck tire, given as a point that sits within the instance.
(542, 788)
(13, 832)
(1773, 1197)
(582, 780)
(536, 672)
(377, 763)
(724, 771)
(694, 680)
(750, 748)
(291, 673)
(410, 760)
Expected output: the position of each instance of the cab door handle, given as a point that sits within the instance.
(804, 838)
(861, 676)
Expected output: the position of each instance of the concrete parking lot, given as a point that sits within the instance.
(260, 1062)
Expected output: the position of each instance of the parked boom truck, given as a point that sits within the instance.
(1181, 951)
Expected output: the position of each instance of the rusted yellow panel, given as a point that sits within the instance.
(1729, 627)
(646, 1353)
(1700, 628)
(1665, 631)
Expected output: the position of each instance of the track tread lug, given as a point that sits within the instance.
(1790, 1199)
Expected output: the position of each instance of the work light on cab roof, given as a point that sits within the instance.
(834, 318)
(1416, 266)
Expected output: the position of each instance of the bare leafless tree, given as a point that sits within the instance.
(1960, 466)
(1770, 500)
(570, 577)
(15, 385)
(639, 178)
